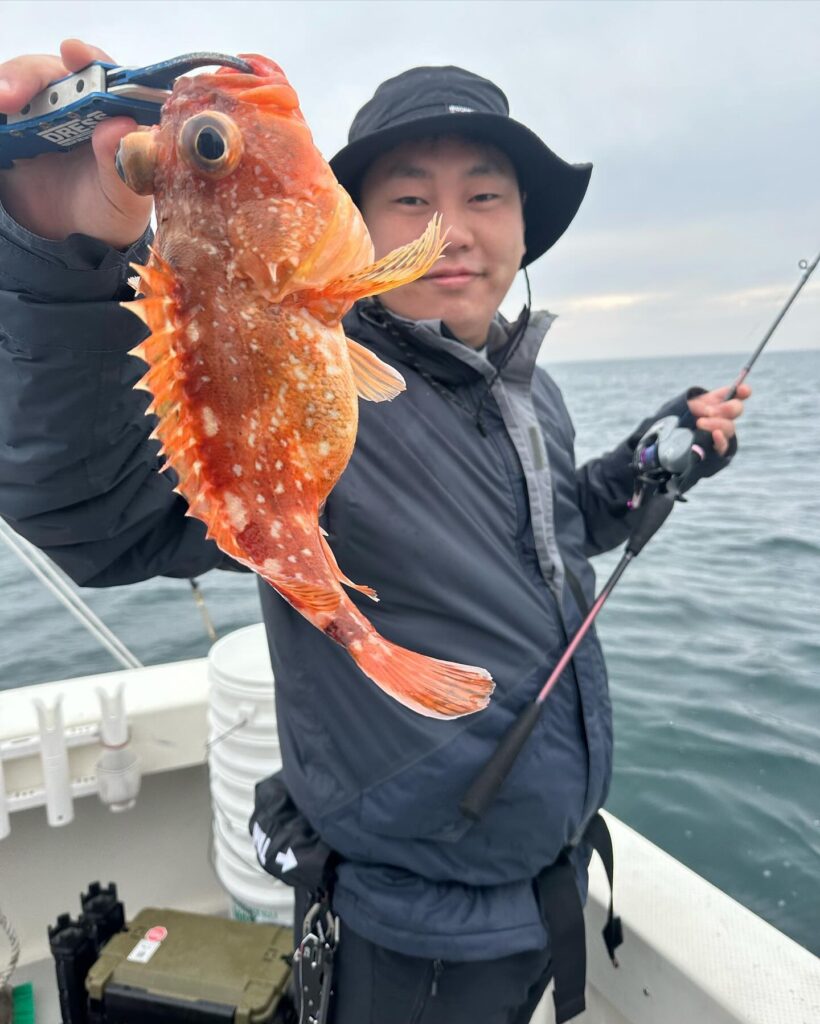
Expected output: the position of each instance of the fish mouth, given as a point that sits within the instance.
(136, 161)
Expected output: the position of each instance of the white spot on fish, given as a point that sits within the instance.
(332, 370)
(292, 558)
(279, 488)
(237, 512)
(298, 485)
(272, 565)
(276, 528)
(209, 421)
(237, 470)
(260, 498)
(278, 464)
(330, 395)
(193, 332)
(324, 448)
(252, 440)
(305, 551)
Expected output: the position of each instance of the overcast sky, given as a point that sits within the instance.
(702, 121)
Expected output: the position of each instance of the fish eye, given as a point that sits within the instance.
(211, 144)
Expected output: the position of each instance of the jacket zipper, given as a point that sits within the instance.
(438, 967)
(434, 973)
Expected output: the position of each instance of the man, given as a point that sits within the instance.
(461, 505)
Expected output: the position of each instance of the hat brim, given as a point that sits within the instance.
(554, 189)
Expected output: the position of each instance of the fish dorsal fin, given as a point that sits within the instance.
(401, 266)
(374, 379)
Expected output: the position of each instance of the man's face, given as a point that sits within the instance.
(475, 189)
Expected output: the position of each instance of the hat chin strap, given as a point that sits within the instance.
(519, 331)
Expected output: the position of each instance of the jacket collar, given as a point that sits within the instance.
(448, 359)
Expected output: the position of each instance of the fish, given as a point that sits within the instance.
(259, 253)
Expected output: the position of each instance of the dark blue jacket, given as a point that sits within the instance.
(465, 534)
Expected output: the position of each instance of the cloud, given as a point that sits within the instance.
(609, 302)
(772, 295)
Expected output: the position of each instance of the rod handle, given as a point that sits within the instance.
(486, 784)
(655, 512)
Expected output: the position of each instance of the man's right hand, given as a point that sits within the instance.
(58, 194)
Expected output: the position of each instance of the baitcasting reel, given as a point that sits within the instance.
(663, 456)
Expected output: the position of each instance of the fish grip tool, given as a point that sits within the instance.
(66, 112)
(665, 463)
(313, 962)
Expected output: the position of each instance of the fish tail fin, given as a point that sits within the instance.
(399, 267)
(437, 689)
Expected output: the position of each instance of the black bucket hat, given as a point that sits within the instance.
(449, 100)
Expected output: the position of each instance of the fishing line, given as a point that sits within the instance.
(666, 459)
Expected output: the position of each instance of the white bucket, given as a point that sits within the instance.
(244, 749)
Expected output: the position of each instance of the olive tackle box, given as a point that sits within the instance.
(170, 965)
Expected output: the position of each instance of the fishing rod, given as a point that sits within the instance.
(666, 459)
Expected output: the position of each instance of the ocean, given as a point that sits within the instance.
(712, 637)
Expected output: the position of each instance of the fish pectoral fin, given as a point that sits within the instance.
(375, 380)
(337, 572)
(401, 266)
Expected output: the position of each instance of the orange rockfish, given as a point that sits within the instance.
(259, 254)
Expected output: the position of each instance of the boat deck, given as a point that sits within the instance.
(691, 953)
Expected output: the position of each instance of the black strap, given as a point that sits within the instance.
(598, 835)
(577, 591)
(563, 915)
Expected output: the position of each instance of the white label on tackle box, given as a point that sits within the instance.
(143, 951)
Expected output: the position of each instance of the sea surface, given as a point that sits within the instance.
(712, 637)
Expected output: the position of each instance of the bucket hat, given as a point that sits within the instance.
(428, 101)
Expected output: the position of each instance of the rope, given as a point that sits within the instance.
(14, 956)
(47, 573)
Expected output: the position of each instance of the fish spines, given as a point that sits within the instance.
(164, 379)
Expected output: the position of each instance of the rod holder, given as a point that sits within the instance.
(54, 758)
(118, 767)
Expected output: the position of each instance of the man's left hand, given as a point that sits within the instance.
(717, 416)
